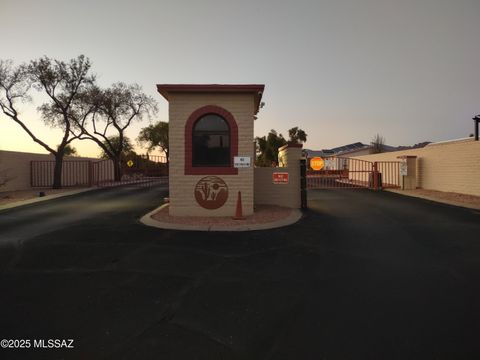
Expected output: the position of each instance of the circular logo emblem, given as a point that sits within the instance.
(317, 163)
(211, 192)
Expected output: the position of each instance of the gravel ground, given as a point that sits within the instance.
(263, 214)
(464, 200)
(8, 197)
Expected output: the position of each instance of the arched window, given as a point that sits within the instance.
(211, 141)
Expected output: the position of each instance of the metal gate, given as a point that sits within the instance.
(352, 173)
(141, 170)
(75, 173)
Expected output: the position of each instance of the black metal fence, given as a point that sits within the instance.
(141, 170)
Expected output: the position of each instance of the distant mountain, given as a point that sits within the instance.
(358, 146)
(416, 146)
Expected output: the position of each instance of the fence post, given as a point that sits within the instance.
(375, 176)
(90, 173)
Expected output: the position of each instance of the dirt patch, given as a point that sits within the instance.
(8, 197)
(469, 201)
(263, 214)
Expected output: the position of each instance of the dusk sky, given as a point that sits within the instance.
(342, 70)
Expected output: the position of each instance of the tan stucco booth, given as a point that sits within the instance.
(210, 126)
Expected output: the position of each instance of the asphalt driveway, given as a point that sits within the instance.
(364, 275)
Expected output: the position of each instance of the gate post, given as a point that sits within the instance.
(408, 172)
(303, 183)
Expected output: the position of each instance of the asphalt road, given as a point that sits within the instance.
(364, 275)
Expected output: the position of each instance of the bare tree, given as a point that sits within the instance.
(114, 110)
(378, 144)
(62, 83)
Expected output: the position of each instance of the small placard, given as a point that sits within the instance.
(280, 178)
(403, 168)
(241, 161)
(329, 164)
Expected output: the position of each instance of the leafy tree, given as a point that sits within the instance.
(155, 136)
(69, 150)
(297, 136)
(113, 144)
(377, 144)
(110, 112)
(267, 148)
(62, 82)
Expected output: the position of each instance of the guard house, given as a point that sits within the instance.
(211, 147)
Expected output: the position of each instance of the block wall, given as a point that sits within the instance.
(15, 166)
(182, 197)
(288, 195)
(452, 166)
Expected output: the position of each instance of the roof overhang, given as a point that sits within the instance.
(255, 89)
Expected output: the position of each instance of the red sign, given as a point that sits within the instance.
(280, 178)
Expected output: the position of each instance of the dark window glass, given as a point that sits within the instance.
(211, 141)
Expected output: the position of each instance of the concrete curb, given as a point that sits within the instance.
(147, 220)
(434, 199)
(44, 198)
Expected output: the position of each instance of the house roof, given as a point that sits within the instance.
(256, 89)
(320, 153)
(349, 147)
(345, 150)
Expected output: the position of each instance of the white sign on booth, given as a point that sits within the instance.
(241, 161)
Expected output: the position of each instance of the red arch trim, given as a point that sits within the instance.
(210, 109)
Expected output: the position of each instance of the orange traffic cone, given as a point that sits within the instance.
(238, 212)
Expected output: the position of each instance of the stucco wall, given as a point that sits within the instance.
(16, 166)
(446, 166)
(268, 193)
(288, 195)
(182, 197)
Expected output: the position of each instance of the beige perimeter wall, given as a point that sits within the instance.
(452, 166)
(15, 166)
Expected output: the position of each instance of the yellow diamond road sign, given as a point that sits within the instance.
(129, 163)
